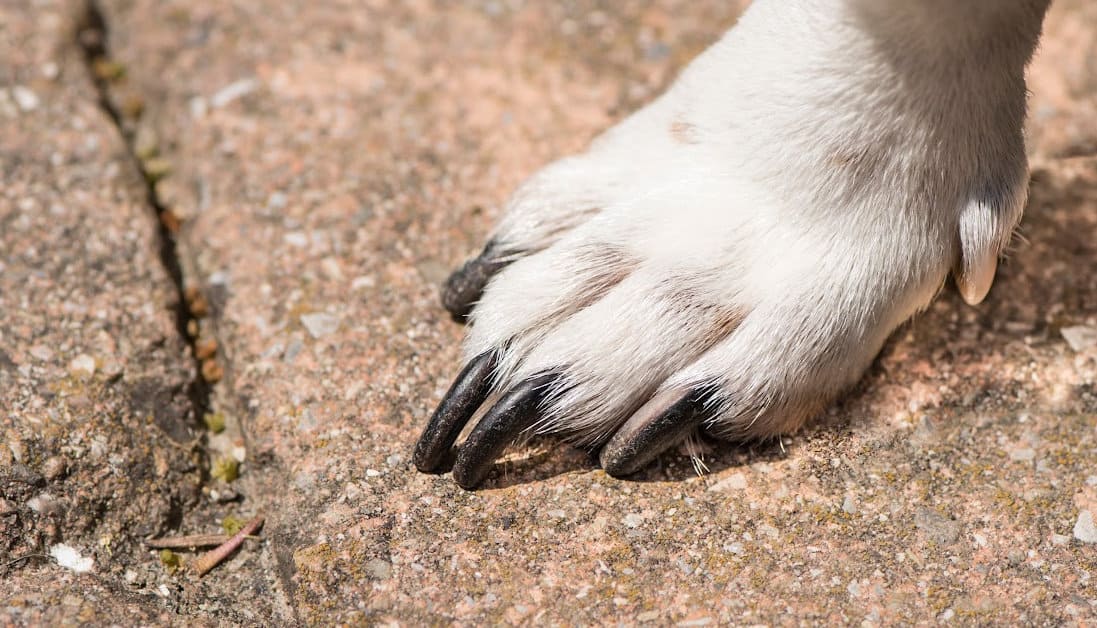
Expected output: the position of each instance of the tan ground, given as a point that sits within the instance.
(329, 163)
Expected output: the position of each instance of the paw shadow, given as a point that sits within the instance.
(545, 458)
(720, 456)
(540, 459)
(955, 358)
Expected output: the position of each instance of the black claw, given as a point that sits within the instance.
(465, 286)
(516, 411)
(464, 397)
(660, 424)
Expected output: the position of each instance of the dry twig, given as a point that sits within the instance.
(183, 542)
(212, 558)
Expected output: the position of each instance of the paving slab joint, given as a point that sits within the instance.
(92, 36)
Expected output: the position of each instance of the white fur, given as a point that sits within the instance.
(804, 188)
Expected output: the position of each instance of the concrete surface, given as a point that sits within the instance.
(329, 163)
(98, 444)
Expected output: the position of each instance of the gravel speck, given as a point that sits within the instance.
(45, 504)
(1080, 337)
(297, 239)
(26, 99)
(1085, 530)
(69, 558)
(736, 482)
(633, 520)
(292, 350)
(232, 91)
(277, 200)
(379, 569)
(320, 325)
(1022, 455)
(849, 506)
(937, 527)
(82, 366)
(54, 468)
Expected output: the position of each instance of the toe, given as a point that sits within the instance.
(464, 397)
(515, 412)
(463, 288)
(660, 424)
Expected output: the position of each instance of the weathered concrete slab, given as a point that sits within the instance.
(332, 162)
(96, 448)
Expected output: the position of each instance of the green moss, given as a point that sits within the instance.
(156, 168)
(215, 422)
(225, 469)
(108, 70)
(170, 560)
(232, 524)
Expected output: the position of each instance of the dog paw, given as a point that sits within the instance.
(715, 271)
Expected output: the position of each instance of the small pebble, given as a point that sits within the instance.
(26, 99)
(1080, 337)
(196, 302)
(233, 91)
(1085, 530)
(331, 269)
(379, 569)
(69, 558)
(223, 495)
(157, 168)
(112, 368)
(849, 506)
(320, 324)
(82, 366)
(1022, 455)
(277, 200)
(54, 468)
(292, 350)
(937, 527)
(45, 504)
(212, 371)
(736, 482)
(296, 238)
(205, 348)
(769, 531)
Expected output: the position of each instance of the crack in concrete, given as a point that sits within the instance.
(92, 37)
